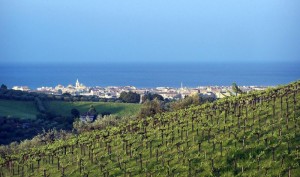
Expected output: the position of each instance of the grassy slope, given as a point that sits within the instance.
(21, 109)
(120, 109)
(27, 109)
(174, 139)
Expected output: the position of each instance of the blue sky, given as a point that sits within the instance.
(156, 30)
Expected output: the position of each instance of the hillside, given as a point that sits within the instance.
(250, 135)
(28, 110)
(21, 109)
(20, 120)
(120, 109)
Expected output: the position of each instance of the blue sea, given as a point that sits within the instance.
(146, 75)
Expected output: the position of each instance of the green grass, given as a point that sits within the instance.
(120, 109)
(27, 109)
(20, 109)
(230, 137)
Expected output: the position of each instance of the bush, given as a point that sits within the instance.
(75, 113)
(150, 108)
(186, 102)
(151, 97)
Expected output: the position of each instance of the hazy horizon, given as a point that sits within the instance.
(41, 62)
(149, 74)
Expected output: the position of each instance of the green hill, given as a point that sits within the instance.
(20, 109)
(120, 109)
(255, 134)
(28, 110)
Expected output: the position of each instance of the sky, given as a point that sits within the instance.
(149, 30)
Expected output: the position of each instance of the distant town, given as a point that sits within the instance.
(115, 91)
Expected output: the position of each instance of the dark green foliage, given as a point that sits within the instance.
(10, 94)
(92, 111)
(3, 87)
(75, 113)
(15, 129)
(19, 95)
(130, 97)
(150, 97)
(186, 102)
(236, 89)
(33, 108)
(150, 108)
(66, 94)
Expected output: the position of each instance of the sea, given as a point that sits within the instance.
(149, 75)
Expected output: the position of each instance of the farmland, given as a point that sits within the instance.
(120, 109)
(27, 109)
(254, 134)
(20, 109)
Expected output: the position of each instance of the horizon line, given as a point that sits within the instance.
(139, 62)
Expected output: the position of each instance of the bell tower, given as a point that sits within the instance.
(77, 84)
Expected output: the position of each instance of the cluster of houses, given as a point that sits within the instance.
(21, 88)
(165, 92)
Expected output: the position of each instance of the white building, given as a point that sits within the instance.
(79, 86)
(22, 88)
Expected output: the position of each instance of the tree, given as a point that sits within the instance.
(150, 108)
(150, 97)
(3, 87)
(75, 113)
(236, 89)
(66, 94)
(92, 111)
(130, 97)
(186, 102)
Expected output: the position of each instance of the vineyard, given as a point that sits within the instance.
(255, 134)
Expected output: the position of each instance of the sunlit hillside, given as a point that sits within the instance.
(255, 134)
